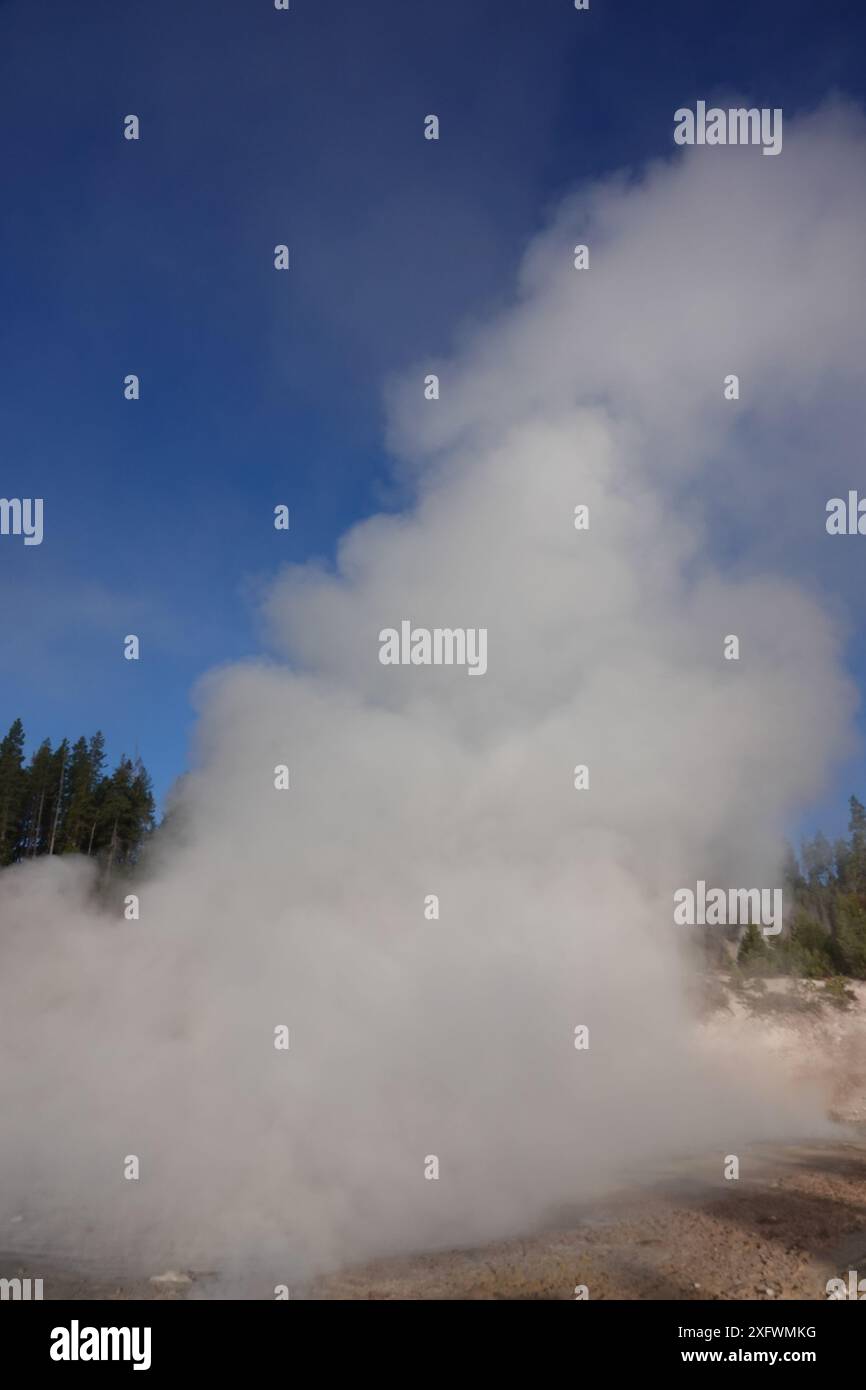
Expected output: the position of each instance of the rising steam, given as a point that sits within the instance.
(455, 1037)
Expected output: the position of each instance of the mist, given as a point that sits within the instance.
(454, 1037)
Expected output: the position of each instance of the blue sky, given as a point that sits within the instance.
(155, 257)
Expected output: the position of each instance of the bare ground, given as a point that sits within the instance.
(794, 1218)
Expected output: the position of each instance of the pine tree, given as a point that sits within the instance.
(96, 752)
(143, 807)
(39, 778)
(111, 800)
(64, 802)
(753, 954)
(818, 864)
(857, 855)
(842, 866)
(80, 807)
(126, 810)
(852, 935)
(57, 794)
(13, 788)
(792, 879)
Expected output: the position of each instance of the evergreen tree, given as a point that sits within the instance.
(80, 809)
(852, 935)
(96, 751)
(126, 810)
(143, 806)
(818, 864)
(817, 859)
(13, 789)
(792, 879)
(56, 799)
(64, 802)
(39, 776)
(842, 864)
(857, 853)
(753, 954)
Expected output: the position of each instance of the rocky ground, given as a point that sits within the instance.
(795, 1217)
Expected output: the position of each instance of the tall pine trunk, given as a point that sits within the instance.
(38, 825)
(59, 803)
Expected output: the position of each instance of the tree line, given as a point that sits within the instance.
(63, 801)
(824, 890)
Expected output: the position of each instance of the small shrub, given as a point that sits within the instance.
(836, 991)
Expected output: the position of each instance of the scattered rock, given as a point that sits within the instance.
(171, 1279)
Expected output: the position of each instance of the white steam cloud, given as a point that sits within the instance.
(305, 908)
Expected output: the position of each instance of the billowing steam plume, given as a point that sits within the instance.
(455, 1038)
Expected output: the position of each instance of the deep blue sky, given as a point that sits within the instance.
(156, 258)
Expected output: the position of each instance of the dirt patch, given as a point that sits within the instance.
(795, 1217)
